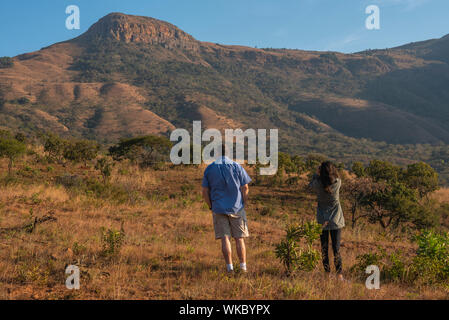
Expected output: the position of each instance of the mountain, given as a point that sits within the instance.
(130, 75)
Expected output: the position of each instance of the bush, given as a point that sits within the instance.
(112, 241)
(81, 150)
(23, 100)
(6, 62)
(105, 166)
(267, 211)
(55, 147)
(146, 151)
(431, 264)
(59, 149)
(393, 267)
(365, 260)
(69, 181)
(358, 169)
(292, 255)
(397, 268)
(308, 260)
(94, 188)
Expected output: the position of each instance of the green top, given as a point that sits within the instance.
(329, 208)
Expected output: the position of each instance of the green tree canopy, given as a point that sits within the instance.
(10, 148)
(422, 177)
(145, 150)
(383, 171)
(81, 150)
(55, 146)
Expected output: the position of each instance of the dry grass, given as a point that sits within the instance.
(169, 251)
(441, 195)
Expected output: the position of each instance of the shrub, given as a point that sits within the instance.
(112, 241)
(55, 147)
(267, 211)
(308, 260)
(74, 150)
(433, 245)
(313, 161)
(397, 268)
(97, 189)
(80, 150)
(393, 267)
(6, 62)
(187, 189)
(292, 255)
(365, 260)
(94, 188)
(146, 151)
(358, 169)
(287, 252)
(431, 264)
(23, 100)
(69, 181)
(104, 165)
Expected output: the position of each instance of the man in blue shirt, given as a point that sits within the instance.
(225, 190)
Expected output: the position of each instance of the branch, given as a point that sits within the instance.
(29, 227)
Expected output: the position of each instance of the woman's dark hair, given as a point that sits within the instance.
(328, 175)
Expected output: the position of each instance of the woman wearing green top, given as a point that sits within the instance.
(327, 185)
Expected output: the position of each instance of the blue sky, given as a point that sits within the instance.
(336, 25)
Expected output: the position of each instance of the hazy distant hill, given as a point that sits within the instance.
(130, 75)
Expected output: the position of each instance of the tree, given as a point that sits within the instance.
(383, 171)
(358, 191)
(392, 206)
(358, 169)
(422, 177)
(104, 165)
(299, 164)
(81, 150)
(146, 150)
(12, 149)
(389, 195)
(313, 161)
(55, 147)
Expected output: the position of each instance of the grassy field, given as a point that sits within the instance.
(167, 249)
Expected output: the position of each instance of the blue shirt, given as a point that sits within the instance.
(224, 178)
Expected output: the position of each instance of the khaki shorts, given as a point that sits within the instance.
(234, 225)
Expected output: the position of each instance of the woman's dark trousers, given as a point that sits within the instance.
(335, 237)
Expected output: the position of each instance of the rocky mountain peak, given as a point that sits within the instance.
(138, 29)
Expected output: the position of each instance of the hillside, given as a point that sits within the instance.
(130, 75)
